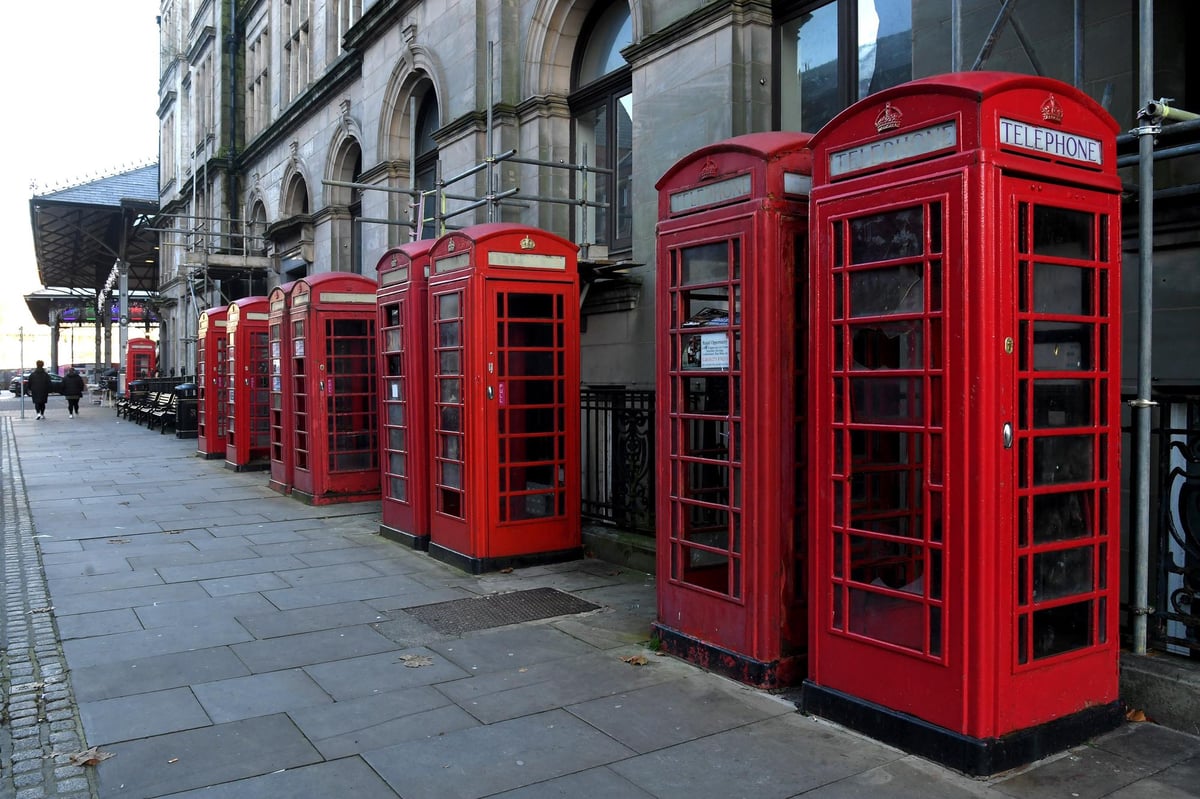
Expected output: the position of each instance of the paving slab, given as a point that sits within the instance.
(104, 622)
(1180, 781)
(771, 759)
(669, 713)
(908, 778)
(1086, 772)
(372, 733)
(126, 597)
(201, 611)
(259, 695)
(305, 649)
(277, 623)
(595, 783)
(115, 648)
(156, 673)
(384, 672)
(506, 649)
(481, 761)
(172, 763)
(524, 689)
(143, 715)
(348, 776)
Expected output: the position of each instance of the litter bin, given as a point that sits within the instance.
(185, 410)
(136, 389)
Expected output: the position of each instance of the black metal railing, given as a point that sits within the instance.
(617, 443)
(1174, 576)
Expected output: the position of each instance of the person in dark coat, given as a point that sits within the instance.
(39, 389)
(72, 388)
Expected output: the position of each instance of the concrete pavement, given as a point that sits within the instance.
(210, 638)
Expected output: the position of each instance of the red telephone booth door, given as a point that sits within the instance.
(336, 403)
(211, 383)
(964, 492)
(505, 400)
(732, 291)
(279, 415)
(404, 394)
(247, 431)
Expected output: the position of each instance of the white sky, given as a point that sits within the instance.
(80, 95)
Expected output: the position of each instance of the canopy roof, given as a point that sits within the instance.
(79, 234)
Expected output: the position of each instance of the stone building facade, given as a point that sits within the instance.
(295, 131)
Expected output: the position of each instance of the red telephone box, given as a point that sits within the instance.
(964, 476)
(732, 276)
(247, 434)
(211, 385)
(504, 339)
(335, 405)
(280, 417)
(404, 394)
(141, 358)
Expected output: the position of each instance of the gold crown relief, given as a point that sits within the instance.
(450, 246)
(527, 243)
(708, 169)
(888, 119)
(1051, 110)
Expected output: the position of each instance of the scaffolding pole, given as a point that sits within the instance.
(1142, 405)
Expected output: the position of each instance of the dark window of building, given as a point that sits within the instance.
(425, 158)
(602, 107)
(833, 54)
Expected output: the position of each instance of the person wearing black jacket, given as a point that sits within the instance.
(72, 389)
(39, 389)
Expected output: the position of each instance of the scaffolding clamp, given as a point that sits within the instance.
(1142, 403)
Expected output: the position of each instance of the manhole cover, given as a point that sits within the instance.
(480, 613)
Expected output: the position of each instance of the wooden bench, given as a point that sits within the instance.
(164, 416)
(141, 412)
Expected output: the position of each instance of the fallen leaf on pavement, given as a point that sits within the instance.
(415, 661)
(88, 757)
(635, 660)
(1136, 715)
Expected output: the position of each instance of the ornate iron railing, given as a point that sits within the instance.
(618, 457)
(1175, 546)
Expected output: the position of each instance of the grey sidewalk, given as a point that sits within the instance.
(205, 631)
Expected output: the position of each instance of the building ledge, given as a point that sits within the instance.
(1164, 687)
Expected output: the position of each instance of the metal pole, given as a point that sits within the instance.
(1143, 405)
(123, 300)
(491, 147)
(21, 374)
(956, 59)
(1078, 77)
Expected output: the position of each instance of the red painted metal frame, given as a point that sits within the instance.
(211, 383)
(281, 420)
(335, 389)
(731, 595)
(959, 666)
(404, 393)
(486, 509)
(247, 432)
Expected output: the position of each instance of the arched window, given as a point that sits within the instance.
(424, 167)
(602, 108)
(836, 52)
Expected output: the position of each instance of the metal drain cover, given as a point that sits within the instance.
(481, 613)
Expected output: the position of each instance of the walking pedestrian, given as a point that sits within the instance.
(39, 388)
(72, 389)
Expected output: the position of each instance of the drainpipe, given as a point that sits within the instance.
(1148, 127)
